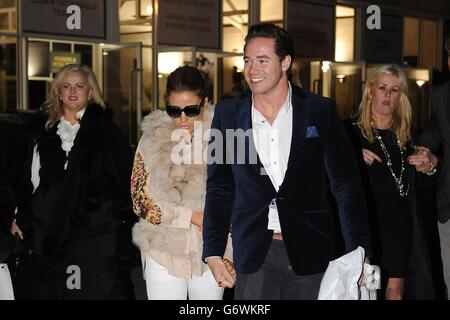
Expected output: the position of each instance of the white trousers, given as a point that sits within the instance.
(163, 286)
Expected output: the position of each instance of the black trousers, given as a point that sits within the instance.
(276, 280)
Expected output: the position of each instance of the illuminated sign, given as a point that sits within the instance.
(60, 59)
(77, 18)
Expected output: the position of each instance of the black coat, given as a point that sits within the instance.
(436, 137)
(10, 142)
(81, 216)
(418, 280)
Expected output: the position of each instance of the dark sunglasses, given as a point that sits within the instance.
(189, 111)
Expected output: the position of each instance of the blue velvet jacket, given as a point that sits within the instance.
(238, 195)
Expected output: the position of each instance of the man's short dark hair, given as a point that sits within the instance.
(283, 41)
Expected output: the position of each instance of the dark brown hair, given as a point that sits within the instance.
(283, 41)
(186, 78)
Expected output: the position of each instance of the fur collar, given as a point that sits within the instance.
(182, 184)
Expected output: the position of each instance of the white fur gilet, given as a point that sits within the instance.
(181, 184)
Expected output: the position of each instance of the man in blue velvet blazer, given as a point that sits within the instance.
(282, 227)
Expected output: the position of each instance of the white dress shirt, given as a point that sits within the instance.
(67, 132)
(273, 144)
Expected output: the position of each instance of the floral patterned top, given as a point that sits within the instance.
(165, 194)
(143, 205)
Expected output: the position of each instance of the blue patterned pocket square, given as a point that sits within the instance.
(311, 132)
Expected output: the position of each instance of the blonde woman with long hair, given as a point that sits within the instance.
(381, 133)
(75, 200)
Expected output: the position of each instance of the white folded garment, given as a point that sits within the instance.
(6, 288)
(340, 281)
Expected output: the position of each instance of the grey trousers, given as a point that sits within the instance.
(276, 280)
(444, 236)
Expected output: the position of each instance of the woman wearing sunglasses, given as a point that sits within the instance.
(169, 194)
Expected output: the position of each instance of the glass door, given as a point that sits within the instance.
(170, 58)
(122, 87)
(345, 84)
(231, 82)
(340, 81)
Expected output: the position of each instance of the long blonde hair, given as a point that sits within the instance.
(402, 116)
(54, 105)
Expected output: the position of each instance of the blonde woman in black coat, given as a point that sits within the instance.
(381, 134)
(75, 196)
